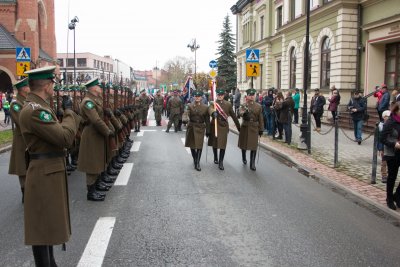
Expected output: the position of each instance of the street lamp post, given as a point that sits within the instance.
(304, 138)
(72, 26)
(193, 47)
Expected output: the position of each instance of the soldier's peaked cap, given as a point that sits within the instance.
(21, 83)
(251, 91)
(198, 93)
(92, 82)
(220, 91)
(44, 73)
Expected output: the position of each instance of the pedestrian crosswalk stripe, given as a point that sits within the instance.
(124, 174)
(140, 133)
(135, 147)
(98, 242)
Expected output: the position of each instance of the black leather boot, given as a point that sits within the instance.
(221, 159)
(111, 171)
(74, 160)
(115, 164)
(167, 131)
(100, 185)
(41, 254)
(93, 195)
(52, 259)
(215, 151)
(244, 157)
(253, 154)
(23, 194)
(194, 155)
(107, 179)
(198, 157)
(120, 160)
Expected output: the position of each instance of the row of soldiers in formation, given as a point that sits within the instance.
(216, 130)
(94, 130)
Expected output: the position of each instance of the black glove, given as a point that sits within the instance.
(108, 112)
(66, 102)
(60, 113)
(215, 114)
(238, 129)
(207, 135)
(117, 112)
(260, 133)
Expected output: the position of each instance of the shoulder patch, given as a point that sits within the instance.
(16, 107)
(89, 105)
(45, 116)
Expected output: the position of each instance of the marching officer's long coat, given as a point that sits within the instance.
(199, 123)
(17, 159)
(222, 125)
(252, 124)
(46, 208)
(93, 148)
(145, 103)
(158, 105)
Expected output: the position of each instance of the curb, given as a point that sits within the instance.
(361, 200)
(5, 149)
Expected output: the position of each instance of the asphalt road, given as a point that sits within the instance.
(169, 214)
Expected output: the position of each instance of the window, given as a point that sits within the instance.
(262, 27)
(326, 1)
(313, 4)
(278, 73)
(292, 70)
(61, 62)
(309, 66)
(392, 68)
(295, 9)
(325, 62)
(70, 62)
(81, 62)
(279, 17)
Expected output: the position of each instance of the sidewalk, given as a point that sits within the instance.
(2, 126)
(351, 178)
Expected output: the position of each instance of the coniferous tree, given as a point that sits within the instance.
(226, 78)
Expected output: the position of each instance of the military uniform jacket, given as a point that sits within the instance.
(199, 123)
(93, 147)
(145, 102)
(137, 106)
(46, 208)
(174, 106)
(222, 125)
(158, 103)
(17, 159)
(252, 124)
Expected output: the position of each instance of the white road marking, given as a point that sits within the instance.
(135, 147)
(140, 133)
(124, 174)
(187, 148)
(98, 242)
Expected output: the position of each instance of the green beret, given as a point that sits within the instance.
(251, 91)
(198, 93)
(21, 83)
(92, 82)
(44, 73)
(220, 91)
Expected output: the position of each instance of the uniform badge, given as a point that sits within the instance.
(89, 105)
(45, 116)
(16, 107)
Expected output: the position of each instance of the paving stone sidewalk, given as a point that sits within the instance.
(355, 161)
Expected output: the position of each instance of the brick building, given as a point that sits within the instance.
(25, 23)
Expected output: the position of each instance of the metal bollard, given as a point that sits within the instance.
(375, 155)
(336, 157)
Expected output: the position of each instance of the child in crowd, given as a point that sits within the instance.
(380, 146)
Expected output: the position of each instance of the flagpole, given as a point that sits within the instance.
(215, 107)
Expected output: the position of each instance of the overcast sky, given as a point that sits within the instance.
(141, 33)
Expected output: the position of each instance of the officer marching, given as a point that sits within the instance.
(199, 123)
(175, 109)
(158, 105)
(46, 207)
(17, 159)
(252, 126)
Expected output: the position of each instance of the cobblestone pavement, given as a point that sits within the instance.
(355, 161)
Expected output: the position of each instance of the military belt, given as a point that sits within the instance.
(48, 155)
(196, 121)
(249, 120)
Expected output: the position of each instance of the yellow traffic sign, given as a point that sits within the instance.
(213, 73)
(253, 69)
(22, 67)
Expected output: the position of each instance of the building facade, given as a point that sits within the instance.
(345, 37)
(28, 23)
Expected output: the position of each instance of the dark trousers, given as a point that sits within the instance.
(287, 127)
(296, 115)
(334, 115)
(393, 164)
(317, 118)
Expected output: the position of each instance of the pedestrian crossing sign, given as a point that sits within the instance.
(253, 55)
(23, 54)
(253, 69)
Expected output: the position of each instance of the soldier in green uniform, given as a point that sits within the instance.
(94, 141)
(198, 124)
(145, 104)
(46, 207)
(220, 112)
(252, 126)
(137, 114)
(158, 104)
(17, 159)
(175, 108)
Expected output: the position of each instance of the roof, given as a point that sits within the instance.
(8, 1)
(7, 41)
(44, 55)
